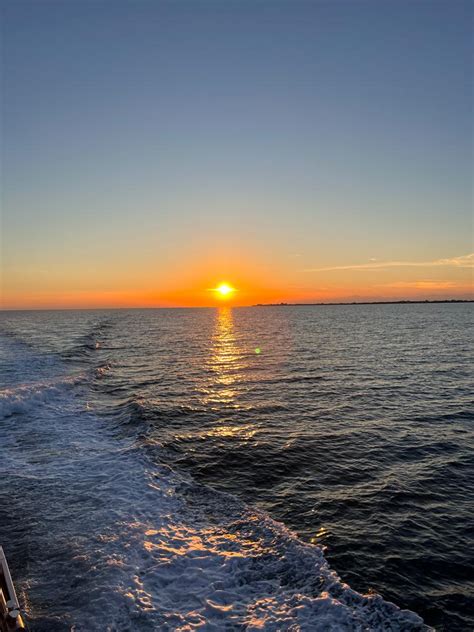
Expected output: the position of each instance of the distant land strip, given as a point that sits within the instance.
(404, 302)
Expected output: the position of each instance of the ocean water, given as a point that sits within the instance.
(271, 468)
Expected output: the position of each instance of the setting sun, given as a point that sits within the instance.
(224, 290)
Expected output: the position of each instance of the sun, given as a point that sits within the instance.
(224, 290)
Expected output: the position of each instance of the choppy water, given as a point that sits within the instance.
(145, 456)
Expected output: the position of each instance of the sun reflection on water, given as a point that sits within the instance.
(226, 385)
(320, 536)
(226, 361)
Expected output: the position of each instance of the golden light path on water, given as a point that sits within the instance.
(226, 362)
(226, 366)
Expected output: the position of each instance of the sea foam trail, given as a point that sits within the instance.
(116, 541)
(26, 397)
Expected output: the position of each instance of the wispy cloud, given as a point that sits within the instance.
(464, 261)
(423, 285)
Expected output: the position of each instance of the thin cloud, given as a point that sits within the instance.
(464, 261)
(423, 285)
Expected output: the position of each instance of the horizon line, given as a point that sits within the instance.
(281, 304)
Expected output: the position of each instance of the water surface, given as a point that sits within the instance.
(147, 452)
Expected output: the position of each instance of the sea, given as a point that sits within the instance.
(276, 468)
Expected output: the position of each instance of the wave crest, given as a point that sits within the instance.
(23, 398)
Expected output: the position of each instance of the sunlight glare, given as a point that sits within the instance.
(224, 290)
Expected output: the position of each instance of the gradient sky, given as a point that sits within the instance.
(298, 150)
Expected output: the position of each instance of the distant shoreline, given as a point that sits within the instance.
(404, 302)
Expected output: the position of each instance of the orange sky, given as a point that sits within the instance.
(255, 281)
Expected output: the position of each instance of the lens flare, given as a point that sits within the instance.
(224, 290)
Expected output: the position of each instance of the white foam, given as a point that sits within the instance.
(24, 397)
(123, 543)
(131, 545)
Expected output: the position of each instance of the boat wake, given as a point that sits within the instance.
(110, 538)
(121, 541)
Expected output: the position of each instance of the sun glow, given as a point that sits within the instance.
(224, 290)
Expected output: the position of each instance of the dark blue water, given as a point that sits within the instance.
(147, 451)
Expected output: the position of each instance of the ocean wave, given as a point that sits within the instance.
(25, 397)
(107, 470)
(125, 542)
(171, 554)
(89, 342)
(227, 567)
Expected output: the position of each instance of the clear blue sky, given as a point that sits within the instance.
(300, 136)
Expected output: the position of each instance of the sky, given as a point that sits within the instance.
(301, 151)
